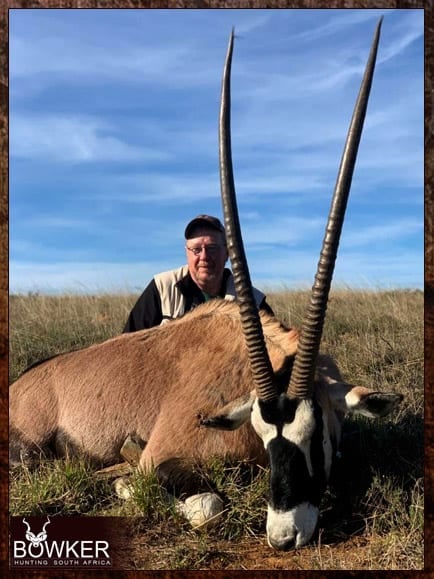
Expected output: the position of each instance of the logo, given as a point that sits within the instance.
(62, 549)
(36, 539)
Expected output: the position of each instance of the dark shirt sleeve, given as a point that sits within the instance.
(147, 311)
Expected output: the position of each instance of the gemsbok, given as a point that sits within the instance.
(224, 380)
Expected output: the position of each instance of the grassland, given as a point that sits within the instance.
(372, 515)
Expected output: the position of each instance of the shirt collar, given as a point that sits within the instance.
(187, 285)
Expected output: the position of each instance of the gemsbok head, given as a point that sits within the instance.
(224, 380)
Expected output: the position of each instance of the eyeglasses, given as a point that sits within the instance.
(211, 249)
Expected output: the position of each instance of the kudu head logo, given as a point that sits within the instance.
(36, 539)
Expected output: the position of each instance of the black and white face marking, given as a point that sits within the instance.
(298, 444)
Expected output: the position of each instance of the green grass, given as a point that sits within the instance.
(60, 487)
(372, 514)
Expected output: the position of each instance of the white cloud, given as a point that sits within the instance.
(405, 33)
(259, 20)
(280, 230)
(53, 57)
(375, 234)
(55, 222)
(295, 269)
(152, 188)
(72, 139)
(342, 21)
(82, 277)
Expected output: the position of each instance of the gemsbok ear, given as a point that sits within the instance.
(363, 401)
(376, 404)
(232, 415)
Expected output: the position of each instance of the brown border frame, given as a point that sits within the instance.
(4, 255)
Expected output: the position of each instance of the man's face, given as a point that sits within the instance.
(206, 258)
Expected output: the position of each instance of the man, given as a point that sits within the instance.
(172, 293)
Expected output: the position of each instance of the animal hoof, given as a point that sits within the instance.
(123, 488)
(201, 510)
(132, 449)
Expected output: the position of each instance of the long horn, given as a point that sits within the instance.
(303, 371)
(47, 523)
(258, 355)
(27, 524)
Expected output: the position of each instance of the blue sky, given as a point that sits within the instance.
(113, 143)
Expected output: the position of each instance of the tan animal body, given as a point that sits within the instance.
(153, 384)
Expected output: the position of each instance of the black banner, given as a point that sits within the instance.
(68, 543)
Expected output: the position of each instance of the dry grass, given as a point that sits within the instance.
(372, 515)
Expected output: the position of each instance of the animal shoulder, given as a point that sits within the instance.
(228, 311)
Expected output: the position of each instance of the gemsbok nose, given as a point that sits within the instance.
(291, 529)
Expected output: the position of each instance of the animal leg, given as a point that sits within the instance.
(180, 477)
(194, 496)
(201, 510)
(22, 450)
